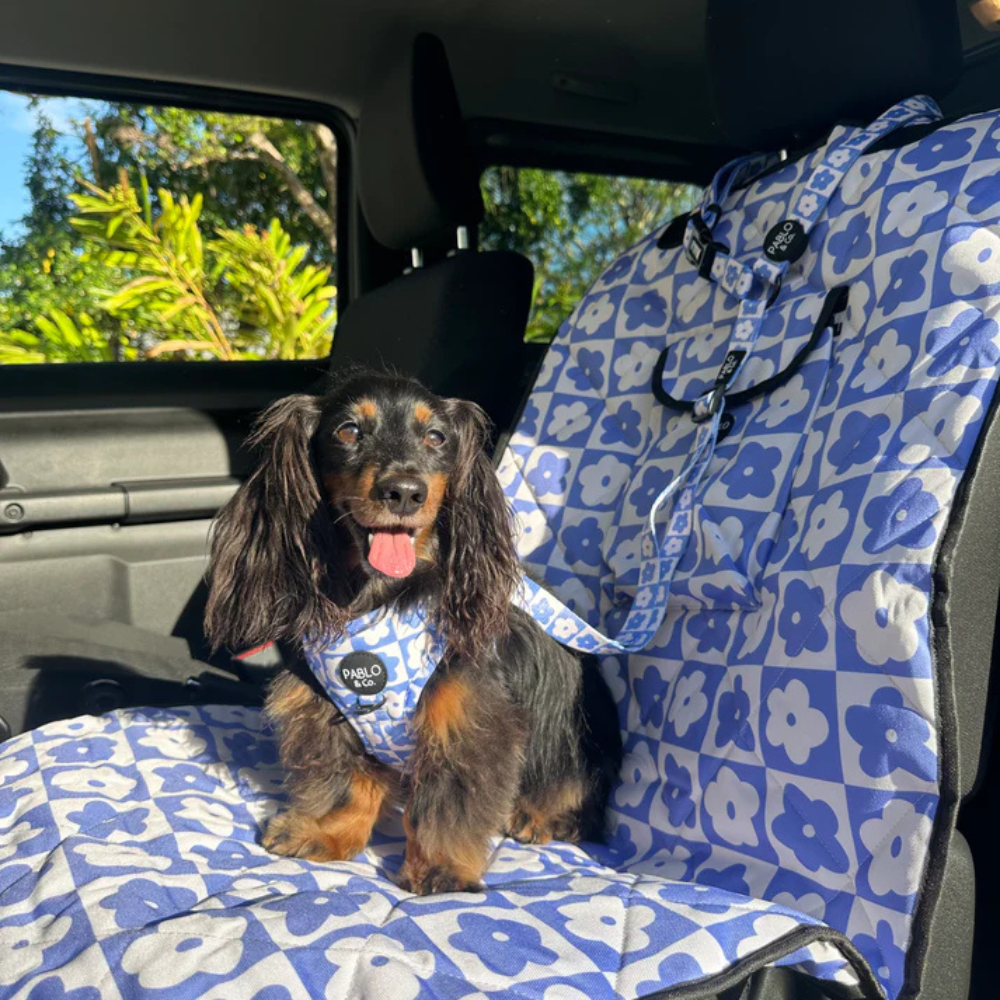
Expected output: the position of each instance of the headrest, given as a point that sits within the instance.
(783, 72)
(416, 178)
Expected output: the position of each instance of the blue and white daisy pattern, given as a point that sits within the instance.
(784, 723)
(782, 728)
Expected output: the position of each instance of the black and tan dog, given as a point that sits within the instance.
(380, 493)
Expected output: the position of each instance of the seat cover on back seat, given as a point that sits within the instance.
(788, 735)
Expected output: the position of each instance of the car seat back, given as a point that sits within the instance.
(420, 190)
(791, 728)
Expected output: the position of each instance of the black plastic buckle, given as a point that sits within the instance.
(361, 709)
(702, 249)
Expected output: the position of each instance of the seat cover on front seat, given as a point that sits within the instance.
(788, 766)
(786, 728)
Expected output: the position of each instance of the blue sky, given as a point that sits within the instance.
(17, 122)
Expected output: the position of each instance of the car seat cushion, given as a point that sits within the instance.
(131, 862)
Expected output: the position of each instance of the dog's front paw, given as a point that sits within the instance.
(295, 835)
(528, 829)
(424, 881)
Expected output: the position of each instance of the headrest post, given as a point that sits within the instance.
(416, 257)
(462, 238)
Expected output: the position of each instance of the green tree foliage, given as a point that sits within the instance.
(164, 233)
(248, 169)
(242, 296)
(571, 226)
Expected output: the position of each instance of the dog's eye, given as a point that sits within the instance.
(349, 433)
(434, 439)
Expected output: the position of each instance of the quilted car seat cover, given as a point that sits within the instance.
(786, 755)
(784, 728)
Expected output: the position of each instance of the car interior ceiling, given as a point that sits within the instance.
(100, 607)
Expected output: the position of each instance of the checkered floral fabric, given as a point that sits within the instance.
(784, 728)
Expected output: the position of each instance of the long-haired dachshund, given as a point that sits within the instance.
(380, 493)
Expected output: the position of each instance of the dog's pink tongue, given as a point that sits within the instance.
(392, 553)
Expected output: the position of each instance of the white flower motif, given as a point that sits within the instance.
(83, 726)
(839, 158)
(691, 298)
(702, 346)
(792, 724)
(606, 918)
(101, 855)
(25, 946)
(383, 968)
(12, 768)
(826, 522)
(601, 482)
(638, 773)
(811, 903)
(376, 633)
(689, 702)
(786, 401)
(807, 205)
(625, 557)
(909, 208)
(973, 262)
(533, 530)
(767, 215)
(723, 540)
(213, 816)
(940, 429)
(95, 781)
(669, 863)
(177, 744)
(882, 362)
(654, 262)
(184, 946)
(569, 419)
(732, 804)
(767, 929)
(857, 305)
(596, 314)
(519, 859)
(15, 836)
(884, 615)
(395, 703)
(896, 842)
(564, 628)
(553, 359)
(635, 368)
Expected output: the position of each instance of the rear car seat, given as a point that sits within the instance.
(111, 824)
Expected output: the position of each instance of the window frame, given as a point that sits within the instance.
(216, 385)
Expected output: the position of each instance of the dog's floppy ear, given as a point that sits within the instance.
(481, 564)
(267, 571)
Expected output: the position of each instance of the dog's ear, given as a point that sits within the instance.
(481, 564)
(267, 570)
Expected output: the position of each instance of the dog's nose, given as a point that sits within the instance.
(402, 495)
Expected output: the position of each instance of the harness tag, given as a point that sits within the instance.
(786, 241)
(363, 673)
(730, 366)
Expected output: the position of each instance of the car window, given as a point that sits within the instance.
(132, 232)
(571, 226)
